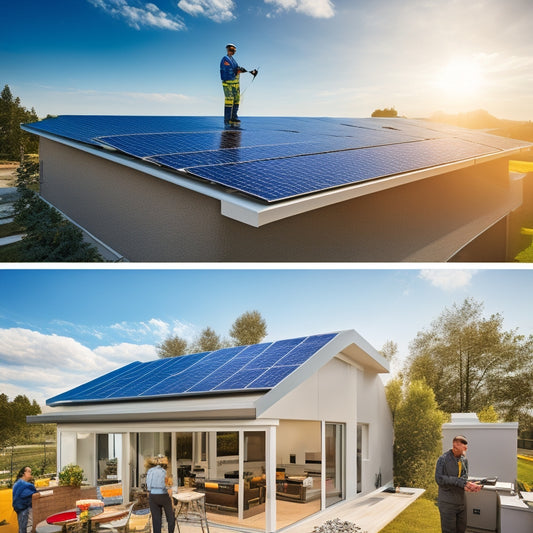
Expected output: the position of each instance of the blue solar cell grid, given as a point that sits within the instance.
(243, 368)
(291, 177)
(274, 158)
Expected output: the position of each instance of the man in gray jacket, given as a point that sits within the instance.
(451, 475)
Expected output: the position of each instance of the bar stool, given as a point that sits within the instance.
(190, 508)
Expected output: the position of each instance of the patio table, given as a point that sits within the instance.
(67, 521)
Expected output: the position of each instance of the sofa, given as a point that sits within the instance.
(223, 494)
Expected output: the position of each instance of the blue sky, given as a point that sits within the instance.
(60, 328)
(315, 57)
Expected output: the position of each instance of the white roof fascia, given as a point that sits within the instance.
(235, 406)
(167, 426)
(257, 214)
(349, 344)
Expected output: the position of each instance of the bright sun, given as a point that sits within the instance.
(461, 77)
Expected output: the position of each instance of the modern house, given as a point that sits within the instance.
(283, 189)
(271, 433)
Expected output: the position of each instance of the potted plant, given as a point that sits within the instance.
(71, 475)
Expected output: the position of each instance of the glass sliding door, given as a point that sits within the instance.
(334, 463)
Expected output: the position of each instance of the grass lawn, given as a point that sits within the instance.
(422, 516)
(525, 472)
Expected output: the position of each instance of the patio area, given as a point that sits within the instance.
(371, 513)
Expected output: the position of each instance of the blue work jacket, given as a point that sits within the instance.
(229, 68)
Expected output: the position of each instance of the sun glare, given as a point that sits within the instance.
(460, 77)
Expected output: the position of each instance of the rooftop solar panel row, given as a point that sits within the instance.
(275, 158)
(282, 179)
(243, 368)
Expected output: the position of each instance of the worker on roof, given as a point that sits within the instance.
(229, 74)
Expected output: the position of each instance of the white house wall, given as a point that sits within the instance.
(373, 410)
(330, 394)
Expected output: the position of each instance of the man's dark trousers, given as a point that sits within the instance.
(452, 517)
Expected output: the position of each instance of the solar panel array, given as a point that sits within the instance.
(238, 369)
(273, 159)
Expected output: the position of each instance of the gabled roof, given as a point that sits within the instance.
(231, 382)
(278, 166)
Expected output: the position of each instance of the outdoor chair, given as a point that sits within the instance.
(118, 526)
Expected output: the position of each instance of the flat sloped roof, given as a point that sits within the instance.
(253, 368)
(273, 161)
(232, 383)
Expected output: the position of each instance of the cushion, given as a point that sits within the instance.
(62, 517)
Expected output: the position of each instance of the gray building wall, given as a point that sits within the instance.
(148, 219)
(492, 448)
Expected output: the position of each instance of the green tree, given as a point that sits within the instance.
(417, 438)
(389, 350)
(13, 427)
(208, 341)
(470, 362)
(394, 395)
(488, 415)
(387, 112)
(15, 142)
(172, 346)
(249, 328)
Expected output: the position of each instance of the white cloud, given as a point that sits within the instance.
(313, 8)
(41, 366)
(448, 280)
(154, 329)
(125, 353)
(34, 349)
(216, 10)
(141, 14)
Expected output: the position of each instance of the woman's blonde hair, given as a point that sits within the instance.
(161, 460)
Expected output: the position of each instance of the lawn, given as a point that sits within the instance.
(422, 516)
(525, 472)
(37, 456)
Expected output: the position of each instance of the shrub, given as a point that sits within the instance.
(71, 475)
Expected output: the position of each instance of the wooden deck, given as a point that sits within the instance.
(371, 513)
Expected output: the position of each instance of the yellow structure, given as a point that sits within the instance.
(8, 517)
(521, 166)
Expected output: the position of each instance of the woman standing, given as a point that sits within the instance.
(23, 490)
(159, 493)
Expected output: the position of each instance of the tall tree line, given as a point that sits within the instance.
(463, 362)
(13, 428)
(248, 328)
(471, 362)
(15, 142)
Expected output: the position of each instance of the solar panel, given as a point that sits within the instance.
(278, 158)
(242, 368)
(281, 179)
(272, 376)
